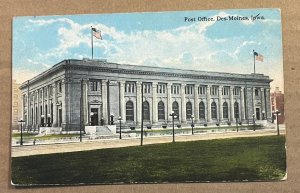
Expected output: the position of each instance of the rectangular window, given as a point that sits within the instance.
(59, 87)
(225, 91)
(175, 89)
(147, 88)
(202, 90)
(214, 90)
(256, 92)
(93, 85)
(161, 88)
(236, 91)
(189, 89)
(129, 87)
(45, 92)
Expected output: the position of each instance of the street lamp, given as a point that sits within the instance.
(173, 115)
(112, 119)
(192, 118)
(277, 112)
(120, 119)
(253, 116)
(21, 122)
(42, 120)
(48, 120)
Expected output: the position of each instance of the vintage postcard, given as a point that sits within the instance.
(159, 97)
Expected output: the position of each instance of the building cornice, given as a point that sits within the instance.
(103, 66)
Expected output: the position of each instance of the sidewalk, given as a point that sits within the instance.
(72, 146)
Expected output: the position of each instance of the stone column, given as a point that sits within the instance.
(64, 105)
(249, 104)
(55, 113)
(231, 104)
(263, 105)
(33, 114)
(242, 104)
(196, 105)
(138, 103)
(122, 100)
(28, 105)
(104, 100)
(43, 103)
(154, 103)
(220, 104)
(39, 113)
(85, 106)
(183, 103)
(48, 103)
(169, 94)
(268, 104)
(208, 106)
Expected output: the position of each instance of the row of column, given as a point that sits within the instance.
(183, 102)
(34, 110)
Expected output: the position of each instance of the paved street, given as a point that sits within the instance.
(28, 150)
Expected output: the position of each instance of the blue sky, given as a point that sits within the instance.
(161, 39)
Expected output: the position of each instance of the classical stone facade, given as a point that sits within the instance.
(87, 92)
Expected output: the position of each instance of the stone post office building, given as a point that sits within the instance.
(87, 92)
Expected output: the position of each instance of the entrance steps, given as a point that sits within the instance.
(101, 132)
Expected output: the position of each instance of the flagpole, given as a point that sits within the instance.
(92, 42)
(254, 60)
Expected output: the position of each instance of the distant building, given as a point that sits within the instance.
(16, 105)
(277, 99)
(88, 92)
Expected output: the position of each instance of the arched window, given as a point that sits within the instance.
(189, 110)
(175, 108)
(214, 110)
(201, 110)
(129, 111)
(225, 110)
(146, 112)
(161, 111)
(236, 110)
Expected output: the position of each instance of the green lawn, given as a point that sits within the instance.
(237, 159)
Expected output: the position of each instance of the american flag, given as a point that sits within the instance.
(258, 57)
(96, 33)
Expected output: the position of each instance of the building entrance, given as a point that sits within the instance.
(257, 114)
(94, 116)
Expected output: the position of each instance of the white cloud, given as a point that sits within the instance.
(182, 47)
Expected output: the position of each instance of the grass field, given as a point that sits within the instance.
(237, 159)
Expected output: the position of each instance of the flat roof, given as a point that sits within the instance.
(131, 69)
